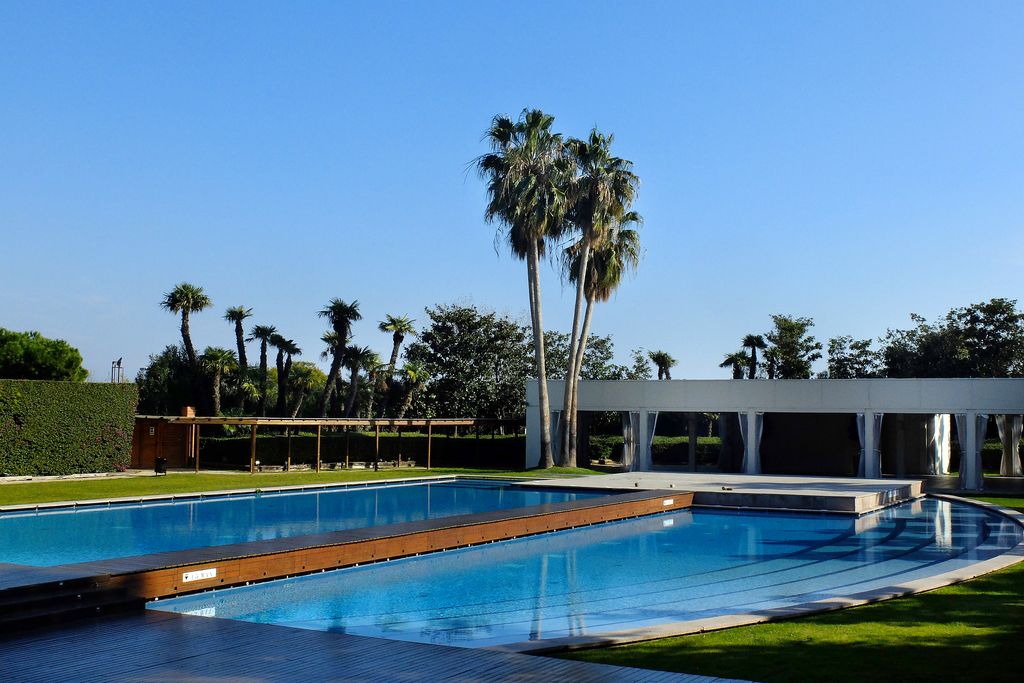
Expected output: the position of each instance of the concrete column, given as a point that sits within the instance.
(871, 465)
(752, 457)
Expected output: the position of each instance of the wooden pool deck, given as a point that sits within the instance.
(161, 646)
(847, 495)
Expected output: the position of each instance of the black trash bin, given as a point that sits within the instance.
(160, 466)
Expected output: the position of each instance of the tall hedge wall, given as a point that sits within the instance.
(65, 427)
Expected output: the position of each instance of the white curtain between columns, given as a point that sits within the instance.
(630, 435)
(971, 477)
(652, 423)
(876, 453)
(937, 441)
(1009, 434)
(755, 466)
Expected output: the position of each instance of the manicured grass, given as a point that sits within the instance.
(972, 631)
(87, 489)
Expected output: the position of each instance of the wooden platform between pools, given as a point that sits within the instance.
(768, 492)
(29, 594)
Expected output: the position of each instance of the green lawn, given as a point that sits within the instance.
(86, 489)
(972, 631)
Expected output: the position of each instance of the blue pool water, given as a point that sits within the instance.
(623, 575)
(84, 534)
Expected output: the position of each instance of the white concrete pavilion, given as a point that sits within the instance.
(931, 401)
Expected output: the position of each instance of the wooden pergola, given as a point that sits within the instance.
(196, 423)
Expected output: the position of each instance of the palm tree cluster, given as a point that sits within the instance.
(574, 196)
(228, 370)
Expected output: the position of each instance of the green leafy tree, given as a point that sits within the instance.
(305, 379)
(340, 314)
(664, 362)
(217, 361)
(186, 299)
(639, 368)
(264, 333)
(792, 348)
(30, 355)
(478, 363)
(981, 340)
(399, 327)
(850, 358)
(165, 383)
(527, 174)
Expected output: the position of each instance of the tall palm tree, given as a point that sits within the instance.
(609, 261)
(602, 192)
(237, 315)
(527, 174)
(290, 349)
(753, 342)
(279, 342)
(301, 382)
(217, 361)
(357, 358)
(263, 333)
(415, 377)
(186, 299)
(340, 314)
(737, 361)
(664, 362)
(399, 327)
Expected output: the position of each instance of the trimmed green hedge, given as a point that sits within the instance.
(503, 452)
(65, 427)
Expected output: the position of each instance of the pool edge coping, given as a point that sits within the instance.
(1006, 559)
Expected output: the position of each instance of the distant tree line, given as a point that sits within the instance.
(463, 362)
(985, 339)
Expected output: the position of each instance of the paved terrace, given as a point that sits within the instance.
(160, 646)
(822, 494)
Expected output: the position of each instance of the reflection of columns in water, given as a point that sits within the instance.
(574, 607)
(944, 526)
(752, 533)
(537, 630)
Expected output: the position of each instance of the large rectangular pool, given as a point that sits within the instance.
(87, 533)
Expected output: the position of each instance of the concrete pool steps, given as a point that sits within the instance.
(35, 592)
(846, 495)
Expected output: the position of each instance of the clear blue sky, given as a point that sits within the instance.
(851, 162)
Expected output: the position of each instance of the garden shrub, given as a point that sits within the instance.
(54, 428)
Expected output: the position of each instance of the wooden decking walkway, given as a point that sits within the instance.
(161, 646)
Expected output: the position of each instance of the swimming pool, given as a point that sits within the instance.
(88, 533)
(624, 575)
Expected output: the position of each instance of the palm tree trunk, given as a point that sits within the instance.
(186, 338)
(243, 362)
(281, 388)
(386, 380)
(353, 391)
(539, 356)
(577, 369)
(332, 377)
(263, 378)
(298, 402)
(407, 401)
(753, 363)
(567, 450)
(216, 392)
